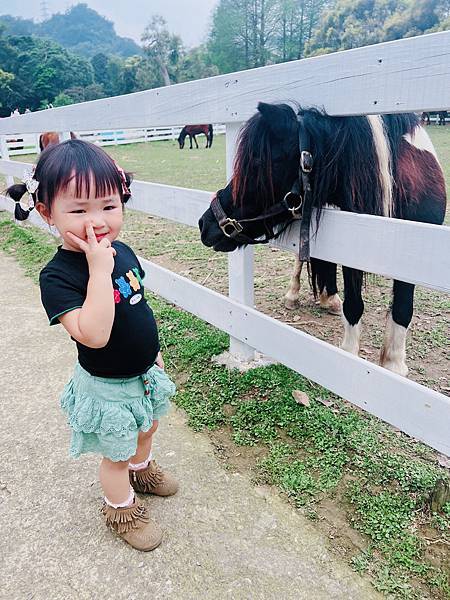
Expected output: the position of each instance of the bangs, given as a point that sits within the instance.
(78, 163)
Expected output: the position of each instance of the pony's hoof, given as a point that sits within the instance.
(332, 304)
(291, 304)
(350, 348)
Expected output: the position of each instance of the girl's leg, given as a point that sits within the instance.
(115, 480)
(146, 476)
(123, 511)
(144, 445)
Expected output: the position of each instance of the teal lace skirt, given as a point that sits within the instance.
(105, 414)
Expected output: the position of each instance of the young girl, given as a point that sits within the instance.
(93, 287)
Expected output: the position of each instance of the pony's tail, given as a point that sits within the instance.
(15, 192)
(210, 134)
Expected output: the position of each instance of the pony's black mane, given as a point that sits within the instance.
(345, 169)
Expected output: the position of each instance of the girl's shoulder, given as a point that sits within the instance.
(64, 266)
(121, 246)
(126, 256)
(123, 249)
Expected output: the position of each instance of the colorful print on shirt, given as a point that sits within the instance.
(127, 288)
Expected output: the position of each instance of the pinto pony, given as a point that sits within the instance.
(378, 165)
(192, 131)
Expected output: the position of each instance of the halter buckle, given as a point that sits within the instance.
(306, 161)
(234, 227)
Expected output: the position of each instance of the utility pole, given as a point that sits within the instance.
(44, 11)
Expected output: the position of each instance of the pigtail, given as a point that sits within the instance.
(126, 195)
(16, 192)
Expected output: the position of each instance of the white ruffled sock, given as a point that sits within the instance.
(140, 466)
(125, 504)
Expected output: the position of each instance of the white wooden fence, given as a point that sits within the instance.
(29, 143)
(405, 75)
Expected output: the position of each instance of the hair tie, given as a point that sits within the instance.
(31, 184)
(125, 189)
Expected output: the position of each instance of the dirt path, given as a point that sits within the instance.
(224, 537)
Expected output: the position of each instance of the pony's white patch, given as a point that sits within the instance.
(393, 353)
(352, 333)
(135, 299)
(384, 161)
(332, 304)
(291, 297)
(421, 140)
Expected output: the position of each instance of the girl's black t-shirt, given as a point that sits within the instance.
(133, 345)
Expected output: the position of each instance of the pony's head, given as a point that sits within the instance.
(265, 168)
(182, 137)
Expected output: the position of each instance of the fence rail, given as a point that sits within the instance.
(376, 79)
(29, 143)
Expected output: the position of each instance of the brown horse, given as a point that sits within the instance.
(192, 131)
(52, 137)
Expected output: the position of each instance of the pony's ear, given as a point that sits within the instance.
(279, 117)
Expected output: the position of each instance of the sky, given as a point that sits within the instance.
(187, 18)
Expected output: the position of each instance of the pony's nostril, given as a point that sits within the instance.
(200, 223)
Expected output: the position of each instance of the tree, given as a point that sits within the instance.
(229, 39)
(253, 33)
(5, 87)
(161, 47)
(82, 30)
(419, 16)
(42, 70)
(196, 64)
(17, 25)
(350, 24)
(62, 99)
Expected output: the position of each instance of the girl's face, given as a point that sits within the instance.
(72, 214)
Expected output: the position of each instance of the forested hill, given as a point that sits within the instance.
(80, 29)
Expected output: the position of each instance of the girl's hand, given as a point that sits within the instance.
(159, 361)
(100, 255)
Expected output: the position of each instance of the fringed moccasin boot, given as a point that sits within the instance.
(134, 525)
(153, 480)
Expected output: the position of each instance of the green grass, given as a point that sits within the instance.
(376, 478)
(440, 137)
(163, 162)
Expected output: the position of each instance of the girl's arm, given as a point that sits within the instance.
(159, 360)
(91, 325)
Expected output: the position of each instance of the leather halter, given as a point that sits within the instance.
(294, 205)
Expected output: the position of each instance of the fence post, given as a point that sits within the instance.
(36, 141)
(5, 156)
(240, 262)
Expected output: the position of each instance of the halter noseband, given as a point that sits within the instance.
(293, 203)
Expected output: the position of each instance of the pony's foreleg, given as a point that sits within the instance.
(352, 309)
(195, 140)
(291, 297)
(324, 277)
(190, 140)
(393, 353)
